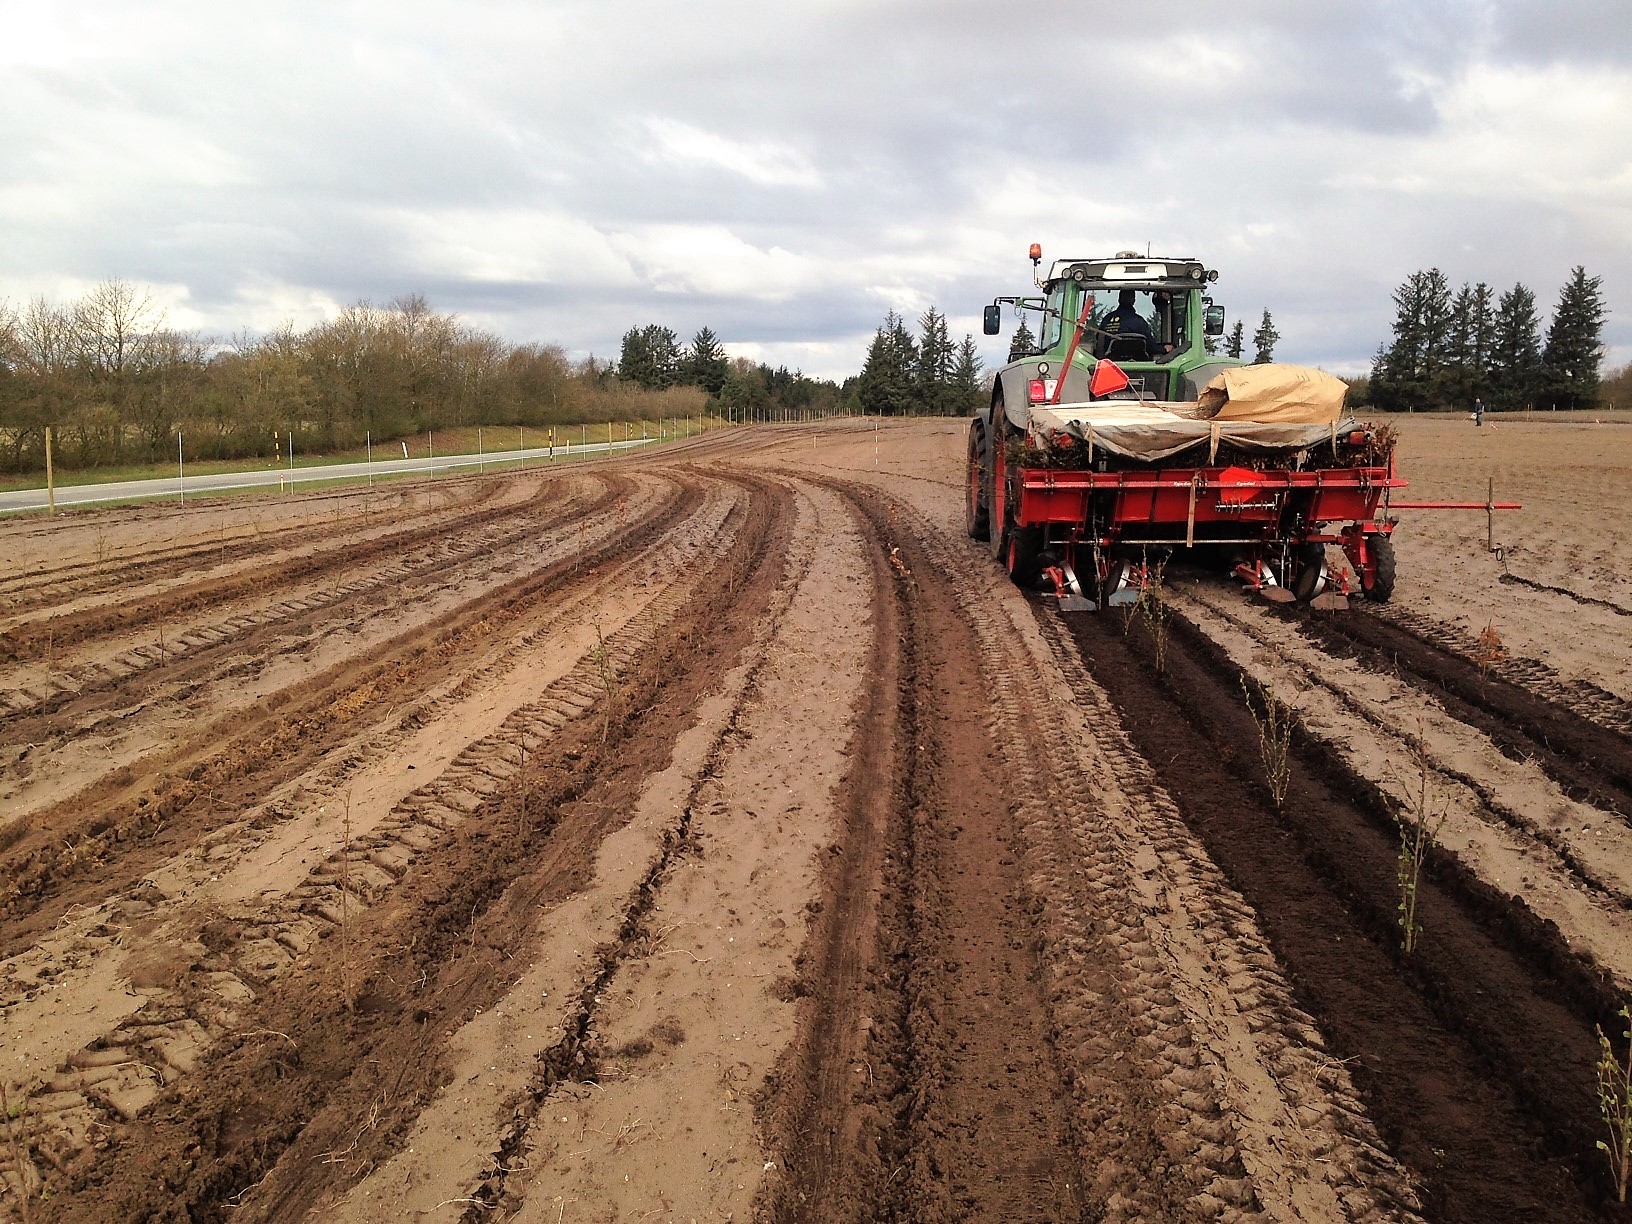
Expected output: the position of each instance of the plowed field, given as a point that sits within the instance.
(717, 834)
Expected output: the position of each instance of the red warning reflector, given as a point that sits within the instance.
(1108, 378)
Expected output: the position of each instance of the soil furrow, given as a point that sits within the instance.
(432, 953)
(111, 833)
(244, 954)
(1477, 1063)
(356, 543)
(189, 652)
(1589, 762)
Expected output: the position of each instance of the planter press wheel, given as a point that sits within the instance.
(1382, 586)
(977, 514)
(1024, 556)
(1311, 563)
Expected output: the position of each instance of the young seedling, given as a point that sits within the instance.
(1615, 1105)
(1154, 611)
(1489, 650)
(1274, 725)
(1419, 823)
(609, 680)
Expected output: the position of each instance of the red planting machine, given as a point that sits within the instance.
(1115, 438)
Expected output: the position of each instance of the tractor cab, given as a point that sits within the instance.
(1147, 314)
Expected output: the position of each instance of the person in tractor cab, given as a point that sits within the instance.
(1129, 335)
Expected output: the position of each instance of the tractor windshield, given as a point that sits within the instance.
(1137, 324)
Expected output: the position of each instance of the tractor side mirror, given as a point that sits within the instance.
(1214, 325)
(992, 320)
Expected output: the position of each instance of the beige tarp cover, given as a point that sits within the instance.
(1288, 394)
(1262, 408)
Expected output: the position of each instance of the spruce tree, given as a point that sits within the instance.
(1409, 374)
(1022, 343)
(706, 365)
(886, 385)
(1569, 376)
(1263, 340)
(966, 379)
(1515, 350)
(650, 357)
(1238, 339)
(934, 367)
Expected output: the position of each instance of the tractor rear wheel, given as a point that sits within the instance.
(977, 512)
(997, 487)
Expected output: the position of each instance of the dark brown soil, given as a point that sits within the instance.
(1477, 1067)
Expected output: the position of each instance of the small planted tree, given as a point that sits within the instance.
(1274, 722)
(1153, 610)
(1420, 822)
(1615, 1105)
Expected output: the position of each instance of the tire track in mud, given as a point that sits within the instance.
(1476, 1054)
(193, 651)
(1582, 697)
(241, 957)
(310, 1059)
(110, 834)
(1194, 1086)
(1588, 761)
(922, 969)
(1580, 846)
(44, 587)
(574, 1058)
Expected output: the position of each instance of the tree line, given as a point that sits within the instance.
(1449, 348)
(118, 384)
(923, 375)
(653, 358)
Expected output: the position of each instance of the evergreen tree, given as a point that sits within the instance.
(1454, 385)
(1569, 374)
(1022, 343)
(1263, 340)
(1237, 340)
(1515, 350)
(934, 368)
(1408, 375)
(887, 384)
(706, 364)
(650, 357)
(966, 379)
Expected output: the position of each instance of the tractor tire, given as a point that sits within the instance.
(1024, 560)
(997, 487)
(1382, 586)
(1306, 578)
(977, 512)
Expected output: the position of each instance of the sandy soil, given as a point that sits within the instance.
(718, 835)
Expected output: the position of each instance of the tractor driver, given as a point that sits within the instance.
(1127, 321)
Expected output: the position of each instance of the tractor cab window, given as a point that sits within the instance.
(1053, 318)
(1138, 324)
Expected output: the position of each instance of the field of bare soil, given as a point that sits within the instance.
(717, 834)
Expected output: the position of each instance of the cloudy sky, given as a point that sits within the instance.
(787, 173)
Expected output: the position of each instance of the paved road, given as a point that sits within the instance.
(174, 487)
